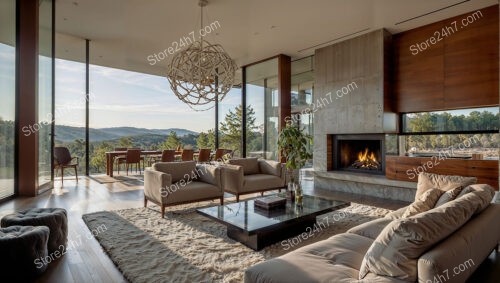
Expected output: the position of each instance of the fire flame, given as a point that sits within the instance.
(366, 156)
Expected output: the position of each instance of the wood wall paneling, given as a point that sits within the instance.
(458, 71)
(471, 62)
(418, 78)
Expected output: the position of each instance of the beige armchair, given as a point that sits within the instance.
(250, 175)
(173, 183)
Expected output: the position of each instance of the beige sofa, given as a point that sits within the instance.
(250, 175)
(173, 183)
(443, 244)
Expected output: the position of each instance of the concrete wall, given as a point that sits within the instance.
(350, 86)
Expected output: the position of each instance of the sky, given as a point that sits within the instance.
(124, 98)
(118, 98)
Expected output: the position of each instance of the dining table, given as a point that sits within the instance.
(111, 155)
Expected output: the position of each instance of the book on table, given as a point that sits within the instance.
(270, 202)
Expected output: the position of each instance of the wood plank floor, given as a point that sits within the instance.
(87, 262)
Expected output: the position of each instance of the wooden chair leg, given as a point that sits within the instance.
(279, 190)
(162, 211)
(127, 169)
(222, 200)
(237, 198)
(62, 175)
(145, 201)
(261, 193)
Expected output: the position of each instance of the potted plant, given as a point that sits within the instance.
(293, 145)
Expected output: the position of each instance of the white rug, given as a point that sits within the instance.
(188, 247)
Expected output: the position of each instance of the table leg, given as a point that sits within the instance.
(108, 163)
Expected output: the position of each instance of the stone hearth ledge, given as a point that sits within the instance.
(365, 184)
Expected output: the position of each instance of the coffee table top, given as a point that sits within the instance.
(245, 216)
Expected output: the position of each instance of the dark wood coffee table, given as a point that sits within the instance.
(257, 228)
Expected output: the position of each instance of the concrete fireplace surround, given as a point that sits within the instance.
(366, 110)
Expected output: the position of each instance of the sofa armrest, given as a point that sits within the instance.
(156, 185)
(232, 178)
(269, 167)
(459, 255)
(209, 174)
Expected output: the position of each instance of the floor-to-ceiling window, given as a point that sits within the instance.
(129, 109)
(230, 119)
(262, 109)
(70, 103)
(45, 94)
(7, 94)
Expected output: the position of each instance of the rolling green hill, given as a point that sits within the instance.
(68, 133)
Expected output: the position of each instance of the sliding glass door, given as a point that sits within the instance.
(8, 96)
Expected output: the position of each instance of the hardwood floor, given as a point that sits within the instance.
(87, 262)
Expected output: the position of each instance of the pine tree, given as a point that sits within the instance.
(171, 142)
(230, 130)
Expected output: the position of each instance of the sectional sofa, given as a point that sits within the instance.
(443, 236)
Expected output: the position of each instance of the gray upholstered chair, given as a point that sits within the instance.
(24, 252)
(173, 183)
(250, 175)
(55, 219)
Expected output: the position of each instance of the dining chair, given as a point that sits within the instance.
(63, 159)
(168, 155)
(133, 156)
(204, 155)
(219, 153)
(187, 155)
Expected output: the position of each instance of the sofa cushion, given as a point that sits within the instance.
(396, 250)
(396, 214)
(427, 181)
(191, 191)
(270, 167)
(178, 170)
(250, 165)
(370, 229)
(449, 195)
(336, 259)
(261, 182)
(425, 202)
(483, 191)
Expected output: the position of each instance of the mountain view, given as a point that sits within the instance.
(68, 133)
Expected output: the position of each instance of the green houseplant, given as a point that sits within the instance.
(293, 145)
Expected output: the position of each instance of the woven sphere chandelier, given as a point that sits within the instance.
(202, 73)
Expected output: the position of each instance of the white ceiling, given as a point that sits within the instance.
(124, 32)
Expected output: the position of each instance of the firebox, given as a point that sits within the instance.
(359, 153)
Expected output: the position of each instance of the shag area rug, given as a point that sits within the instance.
(188, 247)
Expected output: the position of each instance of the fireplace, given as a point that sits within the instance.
(359, 153)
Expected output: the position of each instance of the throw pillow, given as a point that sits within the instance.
(427, 181)
(396, 250)
(449, 195)
(425, 202)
